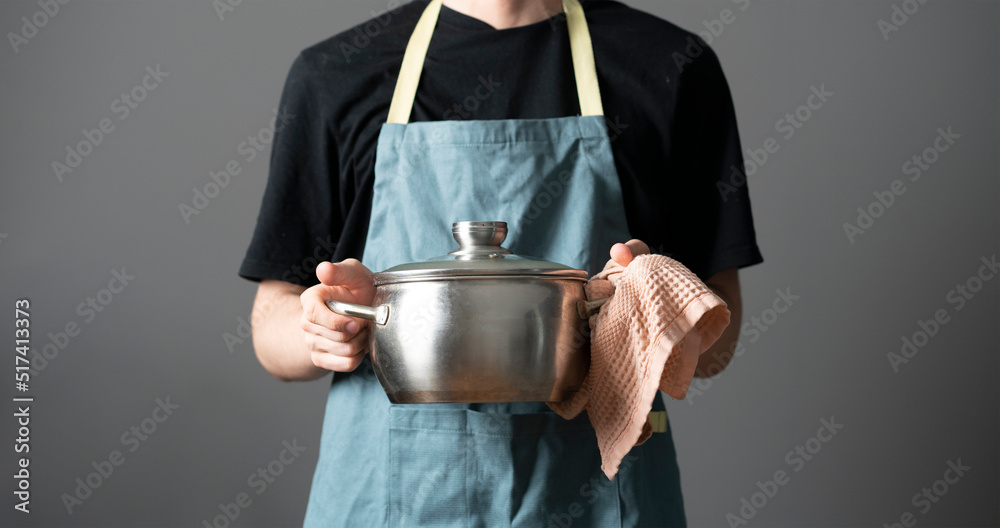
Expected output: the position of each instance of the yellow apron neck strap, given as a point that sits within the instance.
(583, 59)
(413, 63)
(416, 50)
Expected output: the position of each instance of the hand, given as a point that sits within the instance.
(622, 254)
(337, 342)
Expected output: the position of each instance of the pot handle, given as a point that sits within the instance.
(377, 314)
(588, 308)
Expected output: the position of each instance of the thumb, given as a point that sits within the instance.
(623, 254)
(349, 273)
(638, 247)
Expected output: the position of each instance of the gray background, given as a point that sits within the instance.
(823, 357)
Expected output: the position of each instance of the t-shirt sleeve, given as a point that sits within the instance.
(295, 230)
(717, 220)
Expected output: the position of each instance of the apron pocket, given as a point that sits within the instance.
(427, 471)
(451, 466)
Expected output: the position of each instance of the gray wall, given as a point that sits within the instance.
(822, 358)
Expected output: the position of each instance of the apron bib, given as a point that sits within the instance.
(491, 464)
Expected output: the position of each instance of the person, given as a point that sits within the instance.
(583, 127)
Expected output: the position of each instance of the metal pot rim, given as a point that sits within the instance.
(395, 277)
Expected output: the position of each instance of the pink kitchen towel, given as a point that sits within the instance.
(660, 317)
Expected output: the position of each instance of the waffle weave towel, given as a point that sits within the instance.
(660, 317)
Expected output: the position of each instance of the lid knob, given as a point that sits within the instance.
(479, 237)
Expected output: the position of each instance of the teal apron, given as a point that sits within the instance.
(501, 464)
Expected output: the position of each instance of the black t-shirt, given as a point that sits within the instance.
(668, 107)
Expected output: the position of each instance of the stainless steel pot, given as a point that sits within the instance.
(478, 325)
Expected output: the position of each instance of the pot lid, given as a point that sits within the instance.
(479, 254)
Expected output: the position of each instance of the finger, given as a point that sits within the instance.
(325, 273)
(355, 346)
(638, 247)
(336, 363)
(349, 273)
(322, 331)
(621, 254)
(315, 310)
(598, 289)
